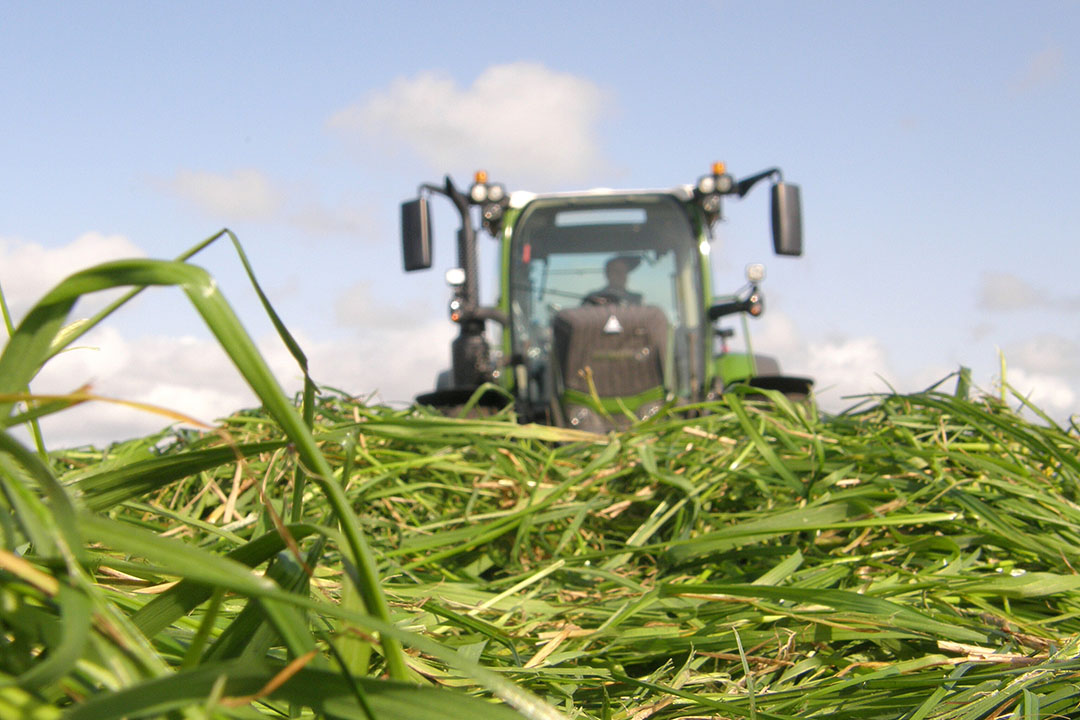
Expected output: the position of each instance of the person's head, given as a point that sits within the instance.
(618, 270)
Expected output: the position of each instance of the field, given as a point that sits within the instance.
(320, 557)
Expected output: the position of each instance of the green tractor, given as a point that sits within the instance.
(605, 303)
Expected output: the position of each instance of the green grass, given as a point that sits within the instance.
(912, 559)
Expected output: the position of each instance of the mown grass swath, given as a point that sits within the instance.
(912, 559)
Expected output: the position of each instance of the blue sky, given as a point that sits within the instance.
(934, 143)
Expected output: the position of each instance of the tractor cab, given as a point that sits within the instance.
(605, 302)
(605, 306)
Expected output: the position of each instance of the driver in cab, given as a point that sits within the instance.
(617, 270)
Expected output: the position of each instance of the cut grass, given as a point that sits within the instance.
(914, 559)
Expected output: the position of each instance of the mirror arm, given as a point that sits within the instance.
(488, 313)
(729, 308)
(743, 186)
(753, 303)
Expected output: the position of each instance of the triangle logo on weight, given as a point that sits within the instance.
(612, 326)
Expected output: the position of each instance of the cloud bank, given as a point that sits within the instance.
(385, 354)
(193, 376)
(242, 195)
(1044, 369)
(29, 270)
(520, 119)
(250, 195)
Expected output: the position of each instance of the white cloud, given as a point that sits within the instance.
(194, 376)
(390, 351)
(776, 334)
(1002, 292)
(250, 195)
(1050, 393)
(850, 366)
(29, 270)
(394, 363)
(320, 219)
(520, 119)
(188, 375)
(359, 307)
(841, 367)
(243, 195)
(1046, 370)
(1049, 354)
(391, 354)
(101, 353)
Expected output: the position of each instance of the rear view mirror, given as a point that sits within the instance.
(416, 234)
(786, 219)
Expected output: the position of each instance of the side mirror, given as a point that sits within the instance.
(416, 234)
(786, 219)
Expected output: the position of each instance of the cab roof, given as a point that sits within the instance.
(521, 198)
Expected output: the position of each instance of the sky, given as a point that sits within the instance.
(931, 140)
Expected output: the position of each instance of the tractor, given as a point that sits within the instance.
(605, 312)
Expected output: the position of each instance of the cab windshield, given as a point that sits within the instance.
(625, 250)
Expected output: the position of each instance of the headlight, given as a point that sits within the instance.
(455, 277)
